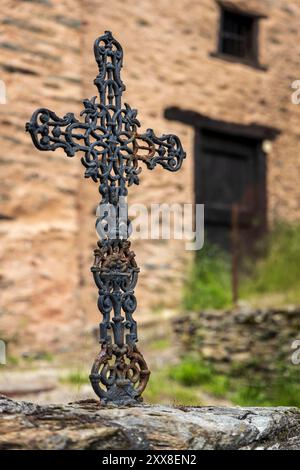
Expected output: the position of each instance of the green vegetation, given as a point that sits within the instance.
(192, 371)
(242, 386)
(162, 388)
(160, 344)
(27, 361)
(76, 378)
(12, 361)
(209, 281)
(38, 356)
(271, 279)
(278, 271)
(275, 275)
(45, 356)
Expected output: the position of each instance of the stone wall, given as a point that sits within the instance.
(40, 64)
(257, 339)
(47, 208)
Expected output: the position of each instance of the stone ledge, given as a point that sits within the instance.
(87, 425)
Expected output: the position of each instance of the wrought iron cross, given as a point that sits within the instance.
(107, 138)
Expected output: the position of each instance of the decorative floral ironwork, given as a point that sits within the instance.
(111, 148)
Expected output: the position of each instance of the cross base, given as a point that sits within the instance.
(119, 375)
(120, 394)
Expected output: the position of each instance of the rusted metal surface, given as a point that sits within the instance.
(111, 149)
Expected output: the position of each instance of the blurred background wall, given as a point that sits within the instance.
(218, 74)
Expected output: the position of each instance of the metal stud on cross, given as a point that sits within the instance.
(111, 148)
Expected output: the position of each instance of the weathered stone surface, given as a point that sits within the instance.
(86, 425)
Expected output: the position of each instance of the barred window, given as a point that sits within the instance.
(238, 35)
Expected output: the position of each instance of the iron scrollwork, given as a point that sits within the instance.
(111, 148)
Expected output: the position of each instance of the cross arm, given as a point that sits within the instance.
(49, 132)
(165, 150)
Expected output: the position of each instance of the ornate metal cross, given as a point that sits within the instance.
(107, 138)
